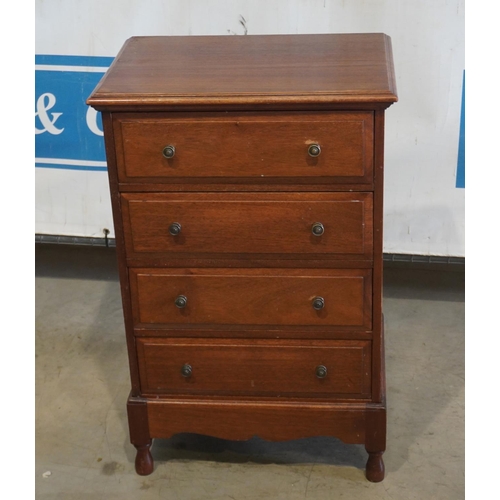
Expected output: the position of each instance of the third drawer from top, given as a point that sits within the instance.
(201, 297)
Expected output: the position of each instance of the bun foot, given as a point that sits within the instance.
(144, 463)
(375, 469)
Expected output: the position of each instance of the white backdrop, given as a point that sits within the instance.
(424, 211)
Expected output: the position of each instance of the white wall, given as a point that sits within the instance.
(424, 211)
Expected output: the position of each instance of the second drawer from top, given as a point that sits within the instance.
(284, 225)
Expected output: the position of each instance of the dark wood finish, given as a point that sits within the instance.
(121, 252)
(261, 185)
(137, 411)
(229, 145)
(378, 244)
(255, 367)
(265, 71)
(247, 354)
(241, 420)
(252, 297)
(249, 261)
(144, 464)
(375, 442)
(251, 224)
(376, 418)
(254, 332)
(375, 468)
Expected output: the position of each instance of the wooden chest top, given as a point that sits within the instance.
(260, 70)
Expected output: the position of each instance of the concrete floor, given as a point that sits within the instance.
(82, 384)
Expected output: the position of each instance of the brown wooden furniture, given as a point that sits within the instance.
(246, 178)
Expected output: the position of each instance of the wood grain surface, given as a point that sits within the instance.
(251, 224)
(257, 70)
(255, 367)
(252, 296)
(259, 145)
(271, 420)
(241, 113)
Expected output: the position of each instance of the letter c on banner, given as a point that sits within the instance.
(92, 122)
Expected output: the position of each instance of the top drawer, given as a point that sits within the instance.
(245, 147)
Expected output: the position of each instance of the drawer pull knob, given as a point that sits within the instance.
(317, 229)
(314, 150)
(169, 151)
(174, 229)
(181, 301)
(318, 303)
(321, 371)
(187, 370)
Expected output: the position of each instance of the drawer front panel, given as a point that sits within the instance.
(270, 368)
(245, 146)
(195, 297)
(249, 223)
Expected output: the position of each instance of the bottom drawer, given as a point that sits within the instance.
(255, 367)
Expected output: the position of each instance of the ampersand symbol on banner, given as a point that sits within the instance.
(43, 104)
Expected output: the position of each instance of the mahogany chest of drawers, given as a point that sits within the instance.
(246, 178)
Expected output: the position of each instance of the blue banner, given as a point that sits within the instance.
(68, 133)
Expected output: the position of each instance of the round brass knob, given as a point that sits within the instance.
(314, 150)
(169, 151)
(321, 371)
(186, 370)
(181, 301)
(317, 229)
(318, 303)
(175, 228)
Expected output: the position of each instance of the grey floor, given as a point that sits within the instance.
(82, 447)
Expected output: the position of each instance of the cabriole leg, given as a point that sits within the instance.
(375, 444)
(139, 435)
(144, 464)
(375, 468)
